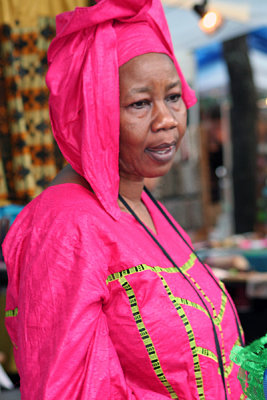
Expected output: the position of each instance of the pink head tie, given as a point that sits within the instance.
(83, 78)
(137, 39)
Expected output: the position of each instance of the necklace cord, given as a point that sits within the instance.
(199, 259)
(218, 349)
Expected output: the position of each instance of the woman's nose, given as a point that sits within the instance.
(162, 118)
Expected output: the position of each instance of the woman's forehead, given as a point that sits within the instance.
(147, 58)
(149, 66)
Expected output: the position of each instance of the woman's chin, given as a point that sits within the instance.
(152, 169)
(159, 172)
(160, 168)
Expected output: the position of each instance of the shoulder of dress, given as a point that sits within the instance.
(70, 200)
(60, 210)
(65, 215)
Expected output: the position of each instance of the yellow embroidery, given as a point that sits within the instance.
(12, 313)
(146, 337)
(217, 322)
(191, 338)
(178, 303)
(223, 305)
(144, 267)
(207, 353)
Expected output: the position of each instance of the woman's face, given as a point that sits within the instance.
(152, 116)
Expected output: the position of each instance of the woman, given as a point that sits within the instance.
(106, 299)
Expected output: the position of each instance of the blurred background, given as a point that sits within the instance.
(217, 189)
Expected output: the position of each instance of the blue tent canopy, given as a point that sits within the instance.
(257, 40)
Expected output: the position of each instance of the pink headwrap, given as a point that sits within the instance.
(84, 59)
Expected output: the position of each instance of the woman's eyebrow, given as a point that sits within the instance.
(174, 84)
(143, 89)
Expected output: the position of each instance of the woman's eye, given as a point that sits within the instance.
(139, 104)
(174, 97)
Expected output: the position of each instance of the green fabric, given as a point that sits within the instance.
(253, 362)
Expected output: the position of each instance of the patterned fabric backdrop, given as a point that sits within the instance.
(29, 157)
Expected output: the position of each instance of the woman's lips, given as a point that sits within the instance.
(162, 153)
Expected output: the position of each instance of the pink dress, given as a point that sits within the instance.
(96, 311)
(94, 308)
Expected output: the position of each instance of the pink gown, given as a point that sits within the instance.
(94, 308)
(96, 311)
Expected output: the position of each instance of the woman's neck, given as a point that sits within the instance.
(131, 191)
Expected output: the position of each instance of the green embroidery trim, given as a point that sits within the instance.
(144, 267)
(146, 337)
(12, 313)
(191, 338)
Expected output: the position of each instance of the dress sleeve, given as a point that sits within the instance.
(63, 348)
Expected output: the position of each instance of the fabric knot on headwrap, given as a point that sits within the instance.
(84, 58)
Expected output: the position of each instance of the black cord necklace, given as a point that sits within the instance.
(217, 344)
(201, 262)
